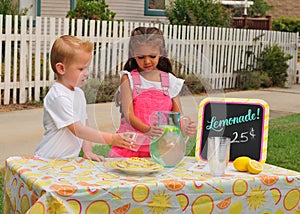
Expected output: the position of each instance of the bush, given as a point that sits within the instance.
(252, 80)
(286, 24)
(268, 69)
(97, 91)
(248, 80)
(273, 61)
(198, 13)
(89, 9)
(193, 84)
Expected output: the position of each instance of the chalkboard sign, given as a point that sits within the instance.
(244, 121)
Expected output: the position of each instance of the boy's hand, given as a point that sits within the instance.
(94, 157)
(123, 140)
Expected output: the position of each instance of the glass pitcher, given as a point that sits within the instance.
(169, 148)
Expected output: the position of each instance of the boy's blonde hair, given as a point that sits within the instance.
(65, 48)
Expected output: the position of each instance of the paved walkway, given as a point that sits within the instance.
(21, 131)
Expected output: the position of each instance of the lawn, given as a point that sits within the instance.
(283, 146)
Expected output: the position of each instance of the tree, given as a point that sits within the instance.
(198, 13)
(90, 9)
(9, 7)
(259, 8)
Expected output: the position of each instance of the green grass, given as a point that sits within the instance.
(283, 146)
(284, 142)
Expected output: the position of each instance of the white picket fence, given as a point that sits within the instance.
(212, 54)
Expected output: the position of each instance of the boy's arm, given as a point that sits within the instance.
(93, 135)
(87, 148)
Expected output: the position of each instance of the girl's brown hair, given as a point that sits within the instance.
(154, 36)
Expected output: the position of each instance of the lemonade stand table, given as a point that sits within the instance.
(34, 185)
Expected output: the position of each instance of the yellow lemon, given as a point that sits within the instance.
(168, 128)
(254, 167)
(241, 163)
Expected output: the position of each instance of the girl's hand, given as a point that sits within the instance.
(93, 156)
(154, 131)
(123, 140)
(189, 129)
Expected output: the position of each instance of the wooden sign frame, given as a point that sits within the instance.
(244, 121)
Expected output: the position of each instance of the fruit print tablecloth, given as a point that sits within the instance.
(34, 185)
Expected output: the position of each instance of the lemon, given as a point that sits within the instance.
(168, 128)
(254, 167)
(241, 163)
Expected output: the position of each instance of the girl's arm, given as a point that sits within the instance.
(176, 104)
(188, 129)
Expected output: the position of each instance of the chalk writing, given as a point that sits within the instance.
(218, 125)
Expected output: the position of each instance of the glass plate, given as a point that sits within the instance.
(132, 167)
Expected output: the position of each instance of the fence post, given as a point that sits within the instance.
(23, 59)
(7, 57)
(245, 21)
(269, 22)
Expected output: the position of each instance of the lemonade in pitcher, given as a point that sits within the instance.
(168, 149)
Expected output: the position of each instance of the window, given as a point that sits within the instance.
(72, 4)
(155, 7)
(33, 7)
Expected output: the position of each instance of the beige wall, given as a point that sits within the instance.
(284, 8)
(55, 8)
(132, 10)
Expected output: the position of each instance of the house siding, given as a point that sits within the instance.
(132, 10)
(55, 8)
(284, 8)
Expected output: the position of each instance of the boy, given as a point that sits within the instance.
(65, 116)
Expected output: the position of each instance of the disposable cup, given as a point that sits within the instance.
(218, 152)
(140, 139)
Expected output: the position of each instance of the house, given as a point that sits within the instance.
(284, 8)
(129, 10)
(47, 8)
(146, 10)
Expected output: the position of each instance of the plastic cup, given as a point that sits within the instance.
(140, 139)
(218, 152)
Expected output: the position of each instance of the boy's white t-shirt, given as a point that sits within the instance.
(175, 87)
(62, 107)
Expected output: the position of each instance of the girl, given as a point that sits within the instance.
(147, 85)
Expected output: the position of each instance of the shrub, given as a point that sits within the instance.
(248, 80)
(89, 9)
(252, 80)
(268, 69)
(198, 13)
(286, 24)
(193, 84)
(97, 91)
(273, 61)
